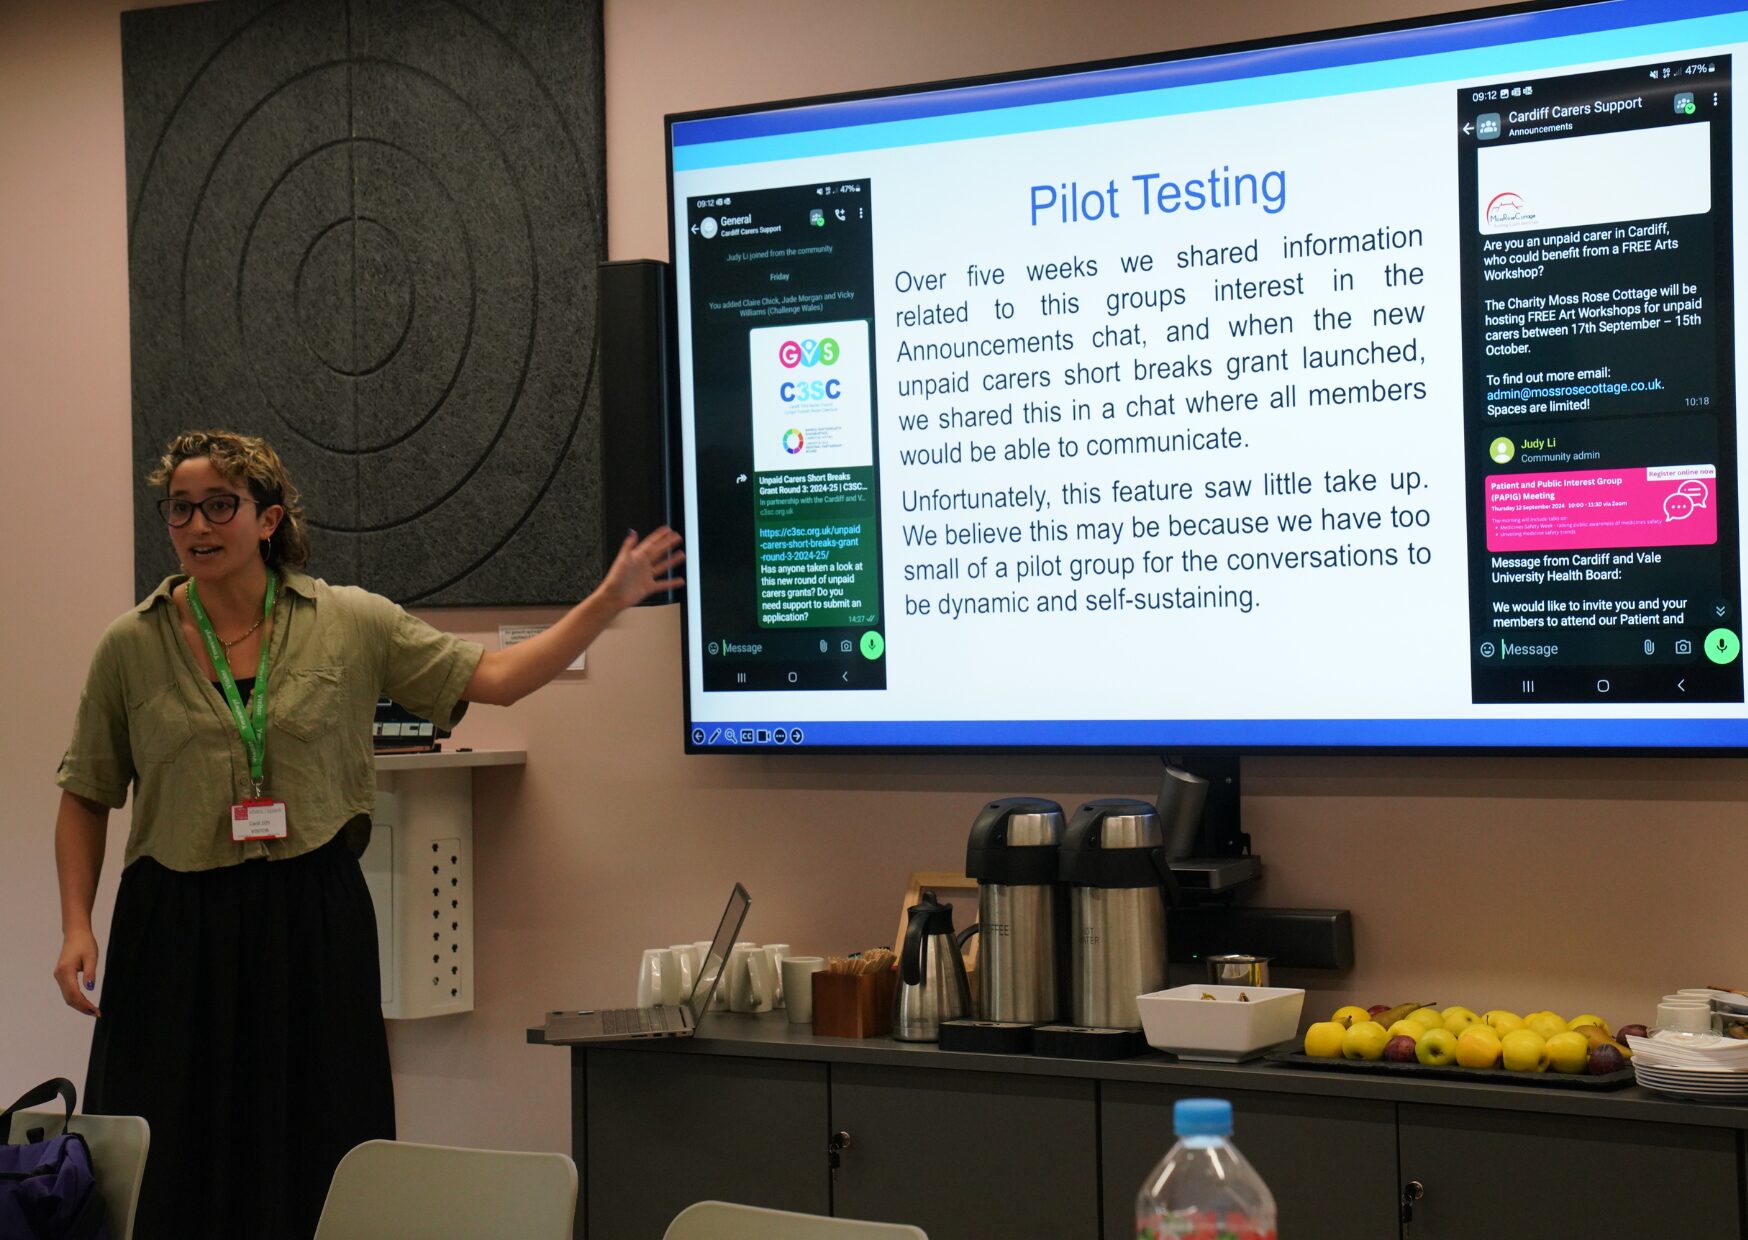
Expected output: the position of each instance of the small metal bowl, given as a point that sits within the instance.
(1238, 969)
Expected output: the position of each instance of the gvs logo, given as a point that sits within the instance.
(793, 353)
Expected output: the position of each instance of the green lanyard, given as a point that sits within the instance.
(253, 723)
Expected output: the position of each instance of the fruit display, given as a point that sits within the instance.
(1410, 1033)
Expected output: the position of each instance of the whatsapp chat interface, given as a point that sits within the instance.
(1599, 407)
(782, 359)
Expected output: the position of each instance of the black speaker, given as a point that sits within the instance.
(1294, 938)
(639, 464)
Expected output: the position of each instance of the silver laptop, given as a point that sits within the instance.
(679, 1021)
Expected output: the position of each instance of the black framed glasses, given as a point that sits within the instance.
(217, 509)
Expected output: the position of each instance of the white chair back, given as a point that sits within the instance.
(118, 1157)
(723, 1220)
(438, 1192)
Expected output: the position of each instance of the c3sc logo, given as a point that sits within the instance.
(793, 353)
(810, 389)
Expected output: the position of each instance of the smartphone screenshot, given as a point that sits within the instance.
(1599, 408)
(788, 527)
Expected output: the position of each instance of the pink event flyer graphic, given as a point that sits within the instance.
(1661, 506)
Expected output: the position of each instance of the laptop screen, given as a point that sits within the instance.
(710, 972)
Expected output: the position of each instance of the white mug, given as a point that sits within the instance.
(658, 978)
(688, 964)
(751, 988)
(1692, 1017)
(798, 974)
(774, 954)
(709, 966)
(701, 953)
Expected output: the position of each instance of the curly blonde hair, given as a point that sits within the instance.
(252, 462)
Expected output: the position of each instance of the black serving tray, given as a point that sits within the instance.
(1492, 1076)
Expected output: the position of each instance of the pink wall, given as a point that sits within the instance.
(1519, 883)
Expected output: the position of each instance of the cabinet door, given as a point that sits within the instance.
(967, 1155)
(1512, 1173)
(661, 1131)
(1330, 1162)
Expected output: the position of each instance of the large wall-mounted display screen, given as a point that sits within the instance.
(1371, 391)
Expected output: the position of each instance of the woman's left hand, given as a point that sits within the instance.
(643, 567)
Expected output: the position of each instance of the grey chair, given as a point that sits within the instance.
(723, 1220)
(118, 1156)
(439, 1192)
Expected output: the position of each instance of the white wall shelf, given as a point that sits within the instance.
(449, 759)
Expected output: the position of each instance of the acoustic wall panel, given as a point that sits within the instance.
(368, 230)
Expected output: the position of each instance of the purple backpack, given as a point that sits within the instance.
(47, 1188)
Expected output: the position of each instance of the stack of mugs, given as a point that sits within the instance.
(759, 978)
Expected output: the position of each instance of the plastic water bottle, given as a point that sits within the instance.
(1203, 1189)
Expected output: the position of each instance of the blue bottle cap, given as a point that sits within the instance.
(1202, 1117)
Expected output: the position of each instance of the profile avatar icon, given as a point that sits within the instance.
(1501, 450)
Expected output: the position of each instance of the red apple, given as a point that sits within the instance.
(1400, 1049)
(1605, 1058)
(1376, 1008)
(1637, 1031)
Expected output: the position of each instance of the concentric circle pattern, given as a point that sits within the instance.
(368, 230)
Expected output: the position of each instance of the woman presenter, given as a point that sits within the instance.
(240, 1011)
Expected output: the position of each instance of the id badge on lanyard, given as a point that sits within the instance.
(262, 819)
(257, 817)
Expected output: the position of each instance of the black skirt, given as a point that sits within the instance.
(242, 1017)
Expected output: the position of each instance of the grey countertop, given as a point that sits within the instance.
(771, 1036)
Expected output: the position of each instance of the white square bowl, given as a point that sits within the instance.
(1222, 1029)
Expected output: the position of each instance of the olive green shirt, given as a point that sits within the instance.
(150, 719)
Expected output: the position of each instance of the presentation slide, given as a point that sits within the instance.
(1375, 393)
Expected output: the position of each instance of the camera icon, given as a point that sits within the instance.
(1683, 646)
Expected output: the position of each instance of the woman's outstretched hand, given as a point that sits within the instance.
(643, 567)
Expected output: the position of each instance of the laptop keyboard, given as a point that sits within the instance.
(641, 1020)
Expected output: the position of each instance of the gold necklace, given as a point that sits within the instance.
(241, 637)
(245, 634)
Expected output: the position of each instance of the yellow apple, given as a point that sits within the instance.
(1438, 1049)
(1345, 1017)
(1457, 1007)
(1323, 1040)
(1578, 1022)
(1459, 1019)
(1365, 1039)
(1407, 1028)
(1427, 1018)
(1568, 1052)
(1478, 1047)
(1524, 1050)
(1503, 1022)
(1545, 1023)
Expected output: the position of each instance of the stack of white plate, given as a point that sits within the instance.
(1693, 1065)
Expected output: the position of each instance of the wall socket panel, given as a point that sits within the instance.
(419, 868)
